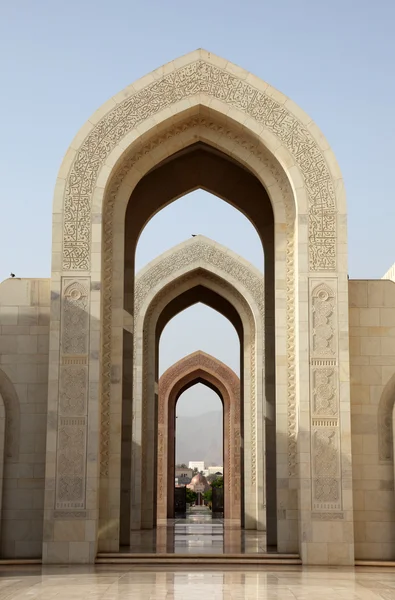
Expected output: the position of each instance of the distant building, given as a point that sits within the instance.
(215, 470)
(196, 464)
(184, 473)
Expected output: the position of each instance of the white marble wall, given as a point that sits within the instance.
(24, 340)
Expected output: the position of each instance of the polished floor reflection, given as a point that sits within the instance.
(197, 532)
(123, 583)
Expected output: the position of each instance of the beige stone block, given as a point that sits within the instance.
(371, 375)
(79, 552)
(370, 346)
(380, 532)
(388, 346)
(387, 317)
(363, 424)
(27, 315)
(354, 317)
(358, 293)
(8, 344)
(340, 554)
(370, 444)
(8, 315)
(70, 531)
(15, 292)
(27, 344)
(355, 346)
(56, 552)
(317, 553)
(369, 317)
(360, 394)
(379, 500)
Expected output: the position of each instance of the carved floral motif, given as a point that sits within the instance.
(71, 463)
(75, 319)
(73, 386)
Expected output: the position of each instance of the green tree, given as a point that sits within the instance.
(191, 496)
(181, 466)
(218, 482)
(208, 496)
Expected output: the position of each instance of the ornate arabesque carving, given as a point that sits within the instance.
(205, 78)
(73, 393)
(72, 396)
(71, 463)
(324, 326)
(325, 432)
(209, 254)
(75, 319)
(324, 392)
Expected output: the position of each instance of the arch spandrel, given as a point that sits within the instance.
(203, 79)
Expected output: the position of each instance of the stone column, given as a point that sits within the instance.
(324, 435)
(70, 522)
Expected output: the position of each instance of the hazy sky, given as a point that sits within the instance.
(59, 61)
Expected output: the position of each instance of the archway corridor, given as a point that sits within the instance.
(200, 123)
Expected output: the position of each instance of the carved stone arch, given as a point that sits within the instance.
(385, 422)
(201, 262)
(201, 98)
(199, 366)
(201, 79)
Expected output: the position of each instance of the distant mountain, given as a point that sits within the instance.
(200, 438)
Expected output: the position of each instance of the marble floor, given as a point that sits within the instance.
(121, 582)
(197, 532)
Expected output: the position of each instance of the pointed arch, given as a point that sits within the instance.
(199, 367)
(201, 98)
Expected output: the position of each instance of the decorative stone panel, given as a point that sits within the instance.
(325, 425)
(73, 394)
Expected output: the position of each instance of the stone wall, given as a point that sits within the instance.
(372, 360)
(24, 341)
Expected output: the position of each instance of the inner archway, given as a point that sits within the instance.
(200, 367)
(200, 270)
(199, 409)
